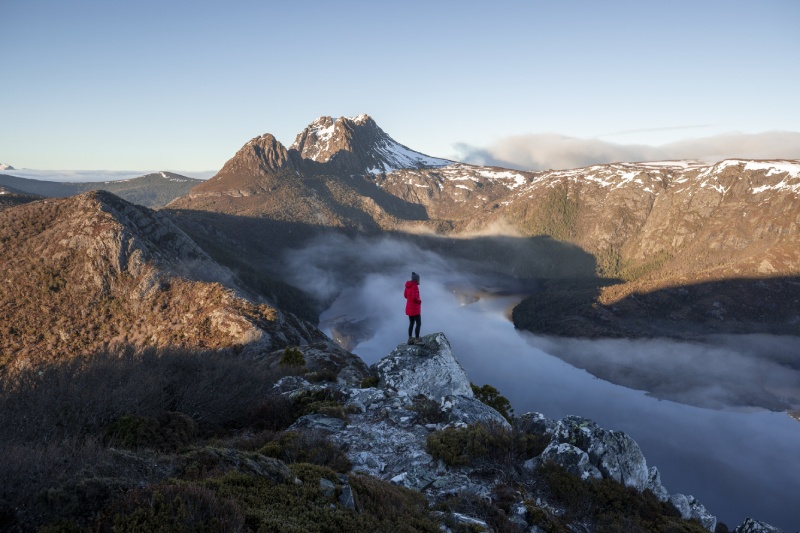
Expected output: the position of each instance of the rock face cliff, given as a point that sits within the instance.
(92, 271)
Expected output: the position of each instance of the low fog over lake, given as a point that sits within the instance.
(699, 411)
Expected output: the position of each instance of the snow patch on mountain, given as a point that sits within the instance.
(358, 145)
(463, 172)
(678, 173)
(791, 168)
(317, 136)
(395, 156)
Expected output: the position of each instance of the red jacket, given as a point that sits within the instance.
(413, 302)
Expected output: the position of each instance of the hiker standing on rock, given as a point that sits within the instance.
(413, 307)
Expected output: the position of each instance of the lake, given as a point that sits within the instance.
(736, 461)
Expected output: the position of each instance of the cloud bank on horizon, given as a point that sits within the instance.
(546, 151)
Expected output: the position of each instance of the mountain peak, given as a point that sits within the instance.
(263, 154)
(4, 166)
(357, 145)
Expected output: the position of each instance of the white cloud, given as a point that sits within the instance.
(552, 151)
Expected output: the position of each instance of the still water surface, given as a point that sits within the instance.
(737, 463)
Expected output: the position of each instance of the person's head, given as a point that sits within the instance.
(415, 277)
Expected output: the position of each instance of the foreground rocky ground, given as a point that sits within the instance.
(332, 445)
(417, 428)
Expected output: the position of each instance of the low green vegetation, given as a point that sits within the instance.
(492, 397)
(171, 507)
(484, 443)
(428, 411)
(169, 431)
(239, 502)
(612, 265)
(556, 215)
(292, 357)
(306, 447)
(329, 402)
(370, 381)
(609, 505)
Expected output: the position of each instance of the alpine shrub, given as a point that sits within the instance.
(292, 357)
(492, 397)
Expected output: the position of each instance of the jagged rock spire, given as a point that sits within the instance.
(356, 146)
(260, 155)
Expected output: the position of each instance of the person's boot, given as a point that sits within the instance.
(411, 340)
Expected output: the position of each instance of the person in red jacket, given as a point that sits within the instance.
(413, 307)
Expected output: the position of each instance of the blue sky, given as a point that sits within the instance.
(183, 85)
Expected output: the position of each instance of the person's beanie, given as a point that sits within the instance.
(414, 276)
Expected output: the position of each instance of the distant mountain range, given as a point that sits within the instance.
(152, 190)
(644, 227)
(674, 248)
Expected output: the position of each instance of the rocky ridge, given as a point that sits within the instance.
(108, 272)
(385, 436)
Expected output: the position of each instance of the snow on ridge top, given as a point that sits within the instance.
(323, 128)
(395, 156)
(792, 168)
(519, 178)
(465, 172)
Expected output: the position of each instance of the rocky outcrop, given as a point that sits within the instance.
(591, 452)
(570, 457)
(386, 433)
(754, 526)
(322, 357)
(689, 507)
(428, 369)
(467, 410)
(615, 454)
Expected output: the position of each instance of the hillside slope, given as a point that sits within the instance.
(9, 197)
(87, 272)
(151, 190)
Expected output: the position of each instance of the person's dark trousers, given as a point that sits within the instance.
(416, 319)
